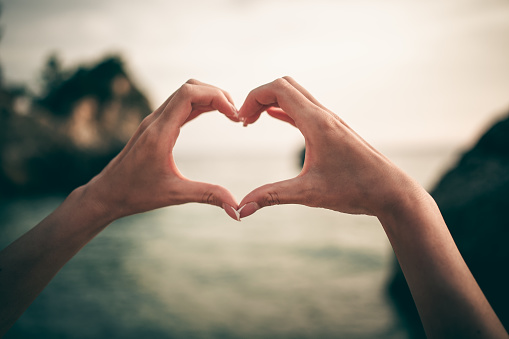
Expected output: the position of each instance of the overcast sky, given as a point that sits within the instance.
(404, 73)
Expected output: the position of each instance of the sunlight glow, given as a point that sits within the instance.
(401, 73)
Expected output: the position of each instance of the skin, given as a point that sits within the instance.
(142, 177)
(342, 172)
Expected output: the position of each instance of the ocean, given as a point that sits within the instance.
(191, 272)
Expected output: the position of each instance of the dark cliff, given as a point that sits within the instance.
(56, 142)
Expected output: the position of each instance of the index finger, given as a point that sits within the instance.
(279, 93)
(198, 98)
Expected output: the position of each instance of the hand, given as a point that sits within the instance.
(341, 171)
(144, 176)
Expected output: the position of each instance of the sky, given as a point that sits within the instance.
(422, 73)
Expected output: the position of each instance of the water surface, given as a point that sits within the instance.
(191, 272)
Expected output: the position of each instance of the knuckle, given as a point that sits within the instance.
(146, 122)
(151, 140)
(280, 83)
(227, 95)
(209, 197)
(192, 81)
(271, 199)
(288, 78)
(329, 123)
(216, 96)
(217, 92)
(186, 90)
(142, 127)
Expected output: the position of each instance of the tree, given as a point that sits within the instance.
(52, 74)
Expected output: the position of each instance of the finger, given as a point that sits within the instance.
(278, 113)
(282, 94)
(195, 113)
(275, 112)
(213, 195)
(311, 98)
(305, 92)
(226, 94)
(291, 191)
(161, 108)
(191, 98)
(308, 95)
(250, 120)
(149, 119)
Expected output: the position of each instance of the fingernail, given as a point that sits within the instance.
(236, 113)
(248, 209)
(232, 212)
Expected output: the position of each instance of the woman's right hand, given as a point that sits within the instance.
(344, 173)
(341, 171)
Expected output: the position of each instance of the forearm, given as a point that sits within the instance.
(449, 301)
(342, 172)
(29, 263)
(142, 177)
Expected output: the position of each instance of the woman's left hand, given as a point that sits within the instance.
(144, 176)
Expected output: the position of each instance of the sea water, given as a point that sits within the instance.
(191, 272)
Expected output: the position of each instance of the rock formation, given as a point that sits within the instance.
(57, 142)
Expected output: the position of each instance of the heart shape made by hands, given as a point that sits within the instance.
(341, 171)
(218, 169)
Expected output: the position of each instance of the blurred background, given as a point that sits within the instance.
(426, 82)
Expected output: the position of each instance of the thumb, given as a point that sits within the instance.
(206, 193)
(290, 191)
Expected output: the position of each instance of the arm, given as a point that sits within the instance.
(449, 301)
(342, 172)
(142, 177)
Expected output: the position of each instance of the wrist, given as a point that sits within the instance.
(407, 202)
(94, 205)
(74, 223)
